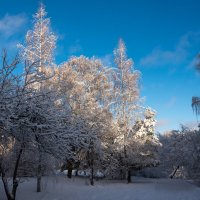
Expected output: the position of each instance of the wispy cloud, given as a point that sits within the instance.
(184, 53)
(10, 24)
(12, 31)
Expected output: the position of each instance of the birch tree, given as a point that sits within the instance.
(125, 98)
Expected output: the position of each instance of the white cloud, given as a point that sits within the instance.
(10, 24)
(183, 53)
(12, 31)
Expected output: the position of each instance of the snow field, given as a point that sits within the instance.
(62, 188)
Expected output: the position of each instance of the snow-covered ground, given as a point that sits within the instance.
(61, 188)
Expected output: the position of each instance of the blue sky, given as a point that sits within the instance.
(162, 37)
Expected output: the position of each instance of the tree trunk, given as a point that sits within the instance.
(173, 174)
(92, 169)
(129, 176)
(39, 183)
(6, 188)
(77, 167)
(11, 195)
(69, 168)
(39, 173)
(121, 174)
(92, 175)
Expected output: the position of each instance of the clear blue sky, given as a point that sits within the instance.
(162, 37)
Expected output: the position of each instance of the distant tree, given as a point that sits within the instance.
(169, 155)
(195, 99)
(178, 152)
(191, 149)
(196, 104)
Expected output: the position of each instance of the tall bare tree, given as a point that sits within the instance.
(125, 98)
(40, 44)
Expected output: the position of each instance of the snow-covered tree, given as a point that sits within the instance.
(180, 152)
(81, 112)
(125, 98)
(192, 153)
(126, 88)
(39, 46)
(40, 42)
(83, 80)
(146, 143)
(10, 102)
(171, 155)
(38, 52)
(84, 89)
(29, 121)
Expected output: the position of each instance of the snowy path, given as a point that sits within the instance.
(60, 188)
